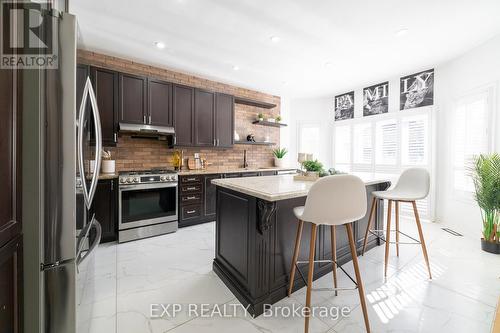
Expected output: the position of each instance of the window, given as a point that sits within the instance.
(471, 125)
(309, 139)
(386, 144)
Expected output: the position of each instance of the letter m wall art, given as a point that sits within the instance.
(376, 99)
(417, 90)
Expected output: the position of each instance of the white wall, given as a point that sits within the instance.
(477, 67)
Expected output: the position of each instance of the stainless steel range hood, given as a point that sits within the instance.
(146, 129)
(165, 133)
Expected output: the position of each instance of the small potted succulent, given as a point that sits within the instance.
(279, 153)
(278, 119)
(485, 174)
(313, 168)
(260, 117)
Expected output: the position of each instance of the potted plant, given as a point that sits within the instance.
(313, 168)
(108, 165)
(486, 178)
(278, 119)
(260, 117)
(279, 153)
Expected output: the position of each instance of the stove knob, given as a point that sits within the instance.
(129, 180)
(122, 180)
(136, 179)
(163, 178)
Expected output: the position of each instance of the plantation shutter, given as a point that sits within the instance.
(386, 142)
(471, 137)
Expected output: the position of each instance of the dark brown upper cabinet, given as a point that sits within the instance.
(159, 103)
(133, 99)
(183, 110)
(224, 120)
(204, 112)
(105, 83)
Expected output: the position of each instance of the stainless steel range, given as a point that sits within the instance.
(147, 204)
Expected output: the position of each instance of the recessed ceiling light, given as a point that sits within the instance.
(160, 45)
(401, 32)
(275, 39)
(328, 64)
(236, 68)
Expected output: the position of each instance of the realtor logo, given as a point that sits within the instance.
(28, 39)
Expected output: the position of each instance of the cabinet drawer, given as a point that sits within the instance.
(190, 198)
(190, 212)
(190, 179)
(190, 188)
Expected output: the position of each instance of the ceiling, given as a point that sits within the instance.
(324, 46)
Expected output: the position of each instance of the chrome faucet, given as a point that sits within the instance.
(245, 164)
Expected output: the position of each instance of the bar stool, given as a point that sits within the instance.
(333, 200)
(413, 184)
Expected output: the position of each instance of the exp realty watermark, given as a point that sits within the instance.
(206, 310)
(28, 36)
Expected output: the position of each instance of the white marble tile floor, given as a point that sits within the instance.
(177, 268)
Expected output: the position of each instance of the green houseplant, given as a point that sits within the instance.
(486, 177)
(260, 117)
(279, 153)
(313, 167)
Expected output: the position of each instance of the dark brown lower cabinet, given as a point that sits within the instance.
(197, 196)
(11, 286)
(196, 199)
(105, 208)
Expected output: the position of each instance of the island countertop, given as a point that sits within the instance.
(275, 188)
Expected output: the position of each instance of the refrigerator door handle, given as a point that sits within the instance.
(88, 193)
(80, 258)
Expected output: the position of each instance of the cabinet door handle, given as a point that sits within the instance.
(112, 185)
(191, 179)
(144, 119)
(190, 188)
(191, 211)
(191, 198)
(149, 119)
(114, 137)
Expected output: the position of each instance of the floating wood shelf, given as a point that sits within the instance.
(258, 143)
(268, 123)
(251, 102)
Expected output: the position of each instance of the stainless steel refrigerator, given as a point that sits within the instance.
(71, 145)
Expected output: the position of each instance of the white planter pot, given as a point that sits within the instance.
(278, 162)
(108, 166)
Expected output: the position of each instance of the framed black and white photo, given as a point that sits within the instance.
(344, 106)
(376, 99)
(417, 90)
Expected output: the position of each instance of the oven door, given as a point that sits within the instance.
(147, 204)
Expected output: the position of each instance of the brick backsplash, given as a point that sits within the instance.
(139, 153)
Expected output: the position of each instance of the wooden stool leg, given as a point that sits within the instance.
(312, 247)
(397, 228)
(387, 237)
(295, 255)
(334, 257)
(361, 289)
(372, 213)
(421, 235)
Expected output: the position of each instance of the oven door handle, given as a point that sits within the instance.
(146, 186)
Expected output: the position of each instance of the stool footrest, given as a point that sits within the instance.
(325, 261)
(380, 234)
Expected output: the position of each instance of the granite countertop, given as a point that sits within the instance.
(230, 170)
(275, 188)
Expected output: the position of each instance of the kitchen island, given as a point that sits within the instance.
(255, 235)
